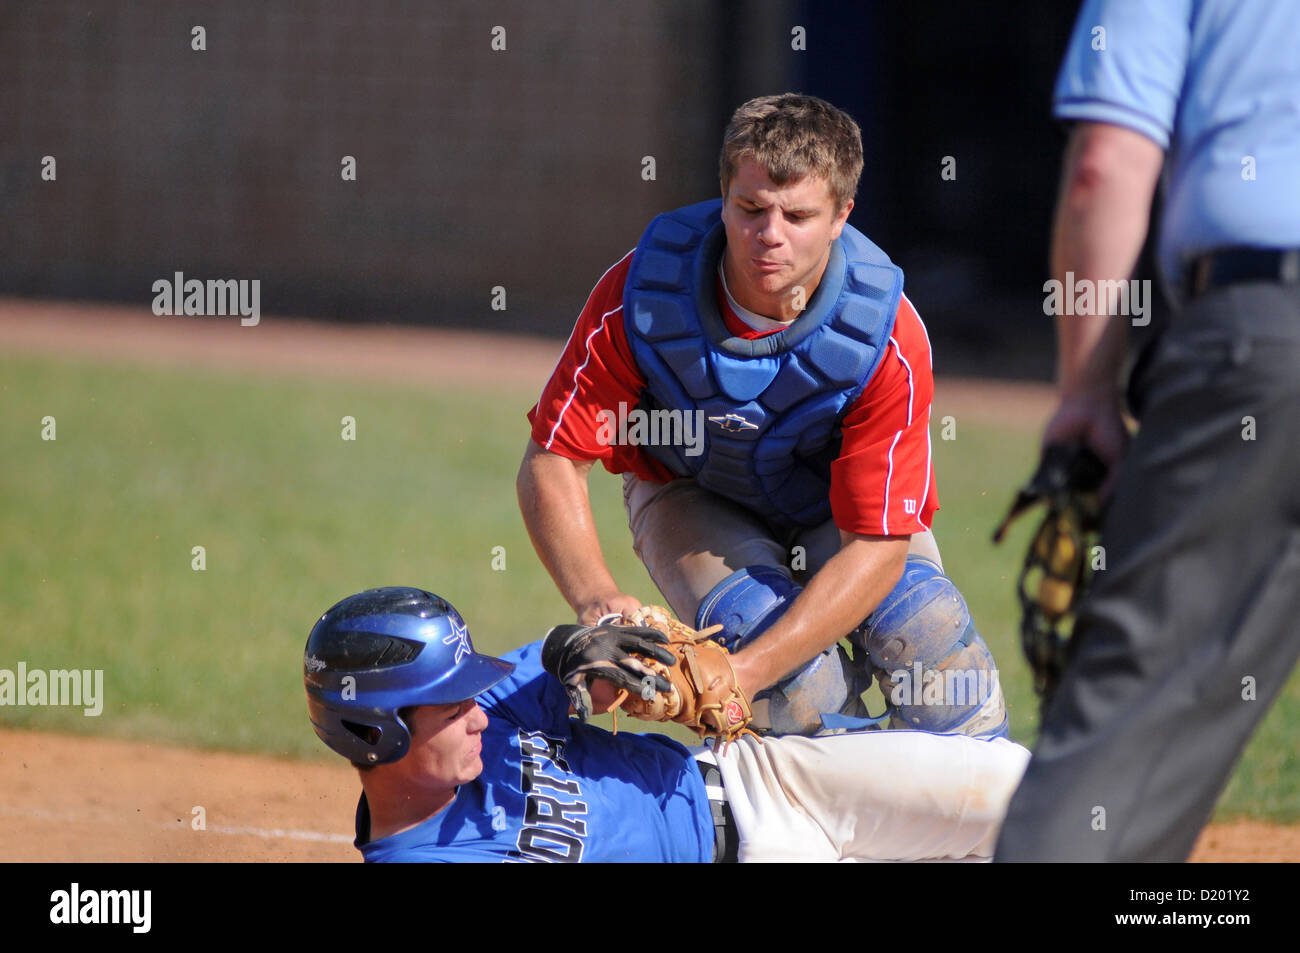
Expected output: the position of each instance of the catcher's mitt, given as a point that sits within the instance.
(1056, 571)
(703, 694)
(576, 653)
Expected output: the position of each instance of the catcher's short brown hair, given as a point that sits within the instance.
(793, 136)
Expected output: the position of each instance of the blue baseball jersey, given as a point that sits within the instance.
(1216, 84)
(556, 790)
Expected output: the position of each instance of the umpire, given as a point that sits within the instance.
(1194, 626)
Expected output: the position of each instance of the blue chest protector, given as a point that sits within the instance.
(772, 406)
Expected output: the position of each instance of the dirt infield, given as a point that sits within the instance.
(82, 799)
(90, 800)
(433, 355)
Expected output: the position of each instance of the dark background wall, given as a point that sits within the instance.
(523, 169)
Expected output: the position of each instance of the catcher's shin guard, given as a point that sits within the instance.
(746, 604)
(934, 669)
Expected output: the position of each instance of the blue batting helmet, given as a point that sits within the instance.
(380, 651)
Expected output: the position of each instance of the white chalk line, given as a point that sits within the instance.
(271, 833)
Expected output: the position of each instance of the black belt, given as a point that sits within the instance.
(1229, 266)
(726, 839)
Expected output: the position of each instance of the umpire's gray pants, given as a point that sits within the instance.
(1194, 626)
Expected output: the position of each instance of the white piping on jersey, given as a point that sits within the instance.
(556, 365)
(574, 393)
(910, 390)
(925, 494)
(928, 350)
(587, 346)
(889, 475)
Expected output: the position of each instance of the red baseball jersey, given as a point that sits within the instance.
(882, 482)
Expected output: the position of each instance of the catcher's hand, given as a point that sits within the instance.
(1056, 571)
(703, 694)
(576, 653)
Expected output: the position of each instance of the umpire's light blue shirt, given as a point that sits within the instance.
(1215, 83)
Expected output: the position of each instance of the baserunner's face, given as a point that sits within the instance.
(446, 741)
(778, 239)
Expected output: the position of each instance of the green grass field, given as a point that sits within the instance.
(99, 526)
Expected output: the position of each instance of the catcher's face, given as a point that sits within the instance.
(445, 744)
(778, 239)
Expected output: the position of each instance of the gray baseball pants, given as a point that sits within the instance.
(1192, 629)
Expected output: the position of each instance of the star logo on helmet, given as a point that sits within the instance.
(732, 423)
(460, 638)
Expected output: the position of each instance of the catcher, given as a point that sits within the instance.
(791, 501)
(464, 757)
